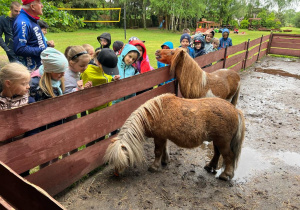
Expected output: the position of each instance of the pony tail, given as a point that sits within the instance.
(237, 141)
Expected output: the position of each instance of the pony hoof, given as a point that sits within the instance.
(210, 169)
(164, 163)
(224, 177)
(152, 169)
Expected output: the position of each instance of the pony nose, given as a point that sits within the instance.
(157, 52)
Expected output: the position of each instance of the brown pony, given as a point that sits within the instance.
(187, 123)
(196, 83)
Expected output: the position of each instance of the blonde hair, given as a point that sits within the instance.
(217, 41)
(12, 72)
(186, 31)
(46, 84)
(71, 51)
(87, 47)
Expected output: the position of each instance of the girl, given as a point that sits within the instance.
(95, 75)
(142, 64)
(78, 59)
(14, 85)
(128, 57)
(199, 47)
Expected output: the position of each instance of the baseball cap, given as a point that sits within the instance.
(118, 45)
(27, 1)
(108, 59)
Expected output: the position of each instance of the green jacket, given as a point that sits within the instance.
(97, 77)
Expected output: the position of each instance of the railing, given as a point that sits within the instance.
(29, 152)
(285, 44)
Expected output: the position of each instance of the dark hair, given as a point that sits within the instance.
(43, 24)
(14, 3)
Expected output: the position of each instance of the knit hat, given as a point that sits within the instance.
(108, 59)
(185, 36)
(54, 61)
(27, 1)
(118, 45)
(133, 38)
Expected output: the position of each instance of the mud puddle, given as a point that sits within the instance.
(277, 72)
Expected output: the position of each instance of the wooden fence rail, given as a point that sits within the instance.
(32, 151)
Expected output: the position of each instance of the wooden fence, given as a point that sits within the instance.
(285, 44)
(32, 151)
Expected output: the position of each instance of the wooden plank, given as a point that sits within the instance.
(251, 61)
(286, 45)
(262, 53)
(264, 46)
(210, 57)
(289, 52)
(41, 113)
(238, 67)
(286, 40)
(288, 35)
(214, 67)
(236, 48)
(265, 38)
(254, 42)
(5, 205)
(37, 149)
(22, 194)
(253, 51)
(235, 59)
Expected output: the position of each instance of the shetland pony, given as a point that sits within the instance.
(196, 83)
(187, 123)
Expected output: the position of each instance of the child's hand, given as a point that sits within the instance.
(50, 43)
(208, 31)
(117, 77)
(88, 84)
(80, 84)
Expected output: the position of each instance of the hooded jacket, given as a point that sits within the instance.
(201, 51)
(29, 40)
(170, 45)
(126, 70)
(142, 65)
(104, 36)
(225, 42)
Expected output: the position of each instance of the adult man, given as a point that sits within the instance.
(6, 24)
(29, 40)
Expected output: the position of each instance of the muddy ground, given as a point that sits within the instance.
(268, 174)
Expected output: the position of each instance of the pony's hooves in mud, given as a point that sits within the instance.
(210, 169)
(224, 177)
(165, 163)
(152, 169)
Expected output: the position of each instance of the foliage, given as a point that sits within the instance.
(60, 20)
(4, 6)
(297, 20)
(234, 23)
(244, 24)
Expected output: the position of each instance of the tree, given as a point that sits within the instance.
(297, 20)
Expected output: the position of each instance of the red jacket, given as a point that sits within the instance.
(144, 65)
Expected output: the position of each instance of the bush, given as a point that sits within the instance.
(244, 24)
(297, 20)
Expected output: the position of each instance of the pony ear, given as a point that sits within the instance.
(178, 55)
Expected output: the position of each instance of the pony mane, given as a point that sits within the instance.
(188, 73)
(132, 133)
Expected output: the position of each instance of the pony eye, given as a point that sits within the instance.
(124, 148)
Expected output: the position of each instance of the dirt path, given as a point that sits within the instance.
(268, 175)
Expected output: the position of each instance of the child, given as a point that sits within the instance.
(128, 57)
(185, 40)
(166, 45)
(44, 26)
(208, 42)
(104, 40)
(95, 75)
(215, 43)
(14, 82)
(90, 49)
(118, 47)
(199, 47)
(225, 41)
(51, 82)
(186, 31)
(142, 64)
(78, 59)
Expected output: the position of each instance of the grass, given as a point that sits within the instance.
(154, 38)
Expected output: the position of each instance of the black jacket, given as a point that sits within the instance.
(6, 24)
(107, 37)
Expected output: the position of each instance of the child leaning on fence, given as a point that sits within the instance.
(225, 41)
(185, 40)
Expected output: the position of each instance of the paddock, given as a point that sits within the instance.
(271, 107)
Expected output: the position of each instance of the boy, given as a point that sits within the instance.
(199, 47)
(215, 44)
(185, 40)
(44, 26)
(118, 47)
(225, 41)
(104, 40)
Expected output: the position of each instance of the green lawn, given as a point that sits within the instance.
(153, 37)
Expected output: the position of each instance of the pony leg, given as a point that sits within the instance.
(165, 156)
(160, 146)
(212, 165)
(228, 161)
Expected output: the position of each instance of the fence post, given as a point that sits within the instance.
(259, 47)
(225, 55)
(246, 56)
(270, 42)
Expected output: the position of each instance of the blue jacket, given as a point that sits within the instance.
(170, 45)
(126, 70)
(29, 40)
(225, 42)
(190, 51)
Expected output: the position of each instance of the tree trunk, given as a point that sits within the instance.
(180, 24)
(144, 14)
(185, 22)
(167, 27)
